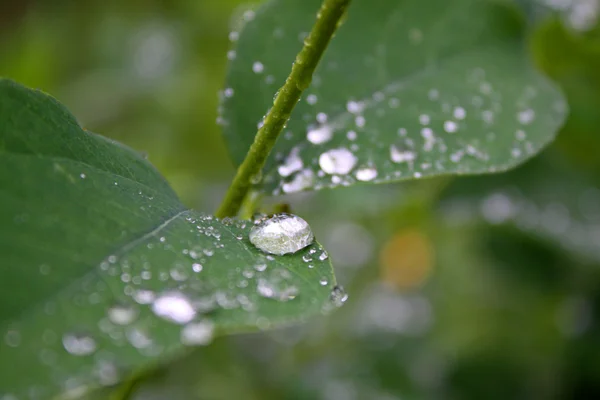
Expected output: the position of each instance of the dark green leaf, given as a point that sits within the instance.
(95, 248)
(407, 89)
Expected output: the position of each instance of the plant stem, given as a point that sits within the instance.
(328, 19)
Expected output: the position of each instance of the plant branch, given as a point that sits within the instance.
(328, 19)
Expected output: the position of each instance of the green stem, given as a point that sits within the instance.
(328, 19)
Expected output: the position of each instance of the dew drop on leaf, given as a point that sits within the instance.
(121, 314)
(319, 134)
(338, 296)
(197, 333)
(277, 288)
(337, 161)
(143, 296)
(300, 181)
(281, 234)
(367, 173)
(292, 163)
(196, 267)
(260, 267)
(400, 156)
(258, 67)
(79, 344)
(459, 113)
(174, 307)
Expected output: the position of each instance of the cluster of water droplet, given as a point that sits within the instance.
(430, 144)
(150, 307)
(462, 127)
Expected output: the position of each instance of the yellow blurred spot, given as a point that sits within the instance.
(406, 259)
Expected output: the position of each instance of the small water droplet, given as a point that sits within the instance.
(450, 126)
(360, 121)
(319, 134)
(248, 15)
(355, 107)
(526, 117)
(12, 338)
(459, 113)
(276, 288)
(122, 314)
(338, 161)
(106, 372)
(138, 338)
(281, 234)
(258, 67)
(143, 296)
(338, 296)
(323, 281)
(197, 333)
(367, 173)
(321, 117)
(196, 267)
(79, 344)
(178, 273)
(302, 180)
(292, 163)
(324, 256)
(399, 156)
(234, 36)
(260, 267)
(174, 307)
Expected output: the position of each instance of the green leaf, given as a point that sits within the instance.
(407, 89)
(103, 270)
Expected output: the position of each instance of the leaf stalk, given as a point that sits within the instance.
(328, 20)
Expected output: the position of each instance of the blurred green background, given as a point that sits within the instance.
(460, 288)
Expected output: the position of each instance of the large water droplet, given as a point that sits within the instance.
(122, 314)
(281, 234)
(79, 344)
(174, 307)
(198, 333)
(337, 161)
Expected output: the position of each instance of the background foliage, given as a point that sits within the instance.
(466, 288)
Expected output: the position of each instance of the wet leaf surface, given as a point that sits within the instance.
(103, 270)
(406, 90)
